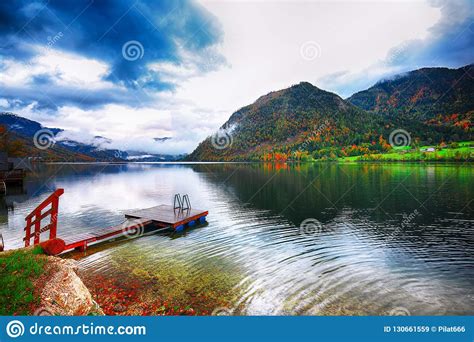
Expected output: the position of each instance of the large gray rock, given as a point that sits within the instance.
(64, 293)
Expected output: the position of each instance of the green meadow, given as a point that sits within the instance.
(455, 152)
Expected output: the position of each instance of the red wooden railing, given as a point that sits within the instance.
(35, 217)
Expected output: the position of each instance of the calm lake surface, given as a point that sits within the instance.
(376, 238)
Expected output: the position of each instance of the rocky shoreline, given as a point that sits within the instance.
(33, 283)
(62, 291)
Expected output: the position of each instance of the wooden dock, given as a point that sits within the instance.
(165, 215)
(13, 176)
(161, 216)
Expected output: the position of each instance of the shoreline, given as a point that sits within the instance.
(464, 153)
(341, 161)
(58, 286)
(454, 162)
(37, 284)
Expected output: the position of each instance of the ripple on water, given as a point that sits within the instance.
(252, 255)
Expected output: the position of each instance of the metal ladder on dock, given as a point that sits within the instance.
(181, 203)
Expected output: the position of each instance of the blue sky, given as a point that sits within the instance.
(134, 71)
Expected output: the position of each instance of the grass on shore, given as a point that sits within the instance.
(463, 151)
(18, 270)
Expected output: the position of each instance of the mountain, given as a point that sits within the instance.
(304, 120)
(278, 120)
(22, 126)
(435, 96)
(21, 134)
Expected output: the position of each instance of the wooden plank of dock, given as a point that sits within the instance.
(16, 175)
(81, 241)
(167, 215)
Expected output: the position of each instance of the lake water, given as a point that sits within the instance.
(308, 239)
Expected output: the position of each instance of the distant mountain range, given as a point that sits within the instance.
(23, 131)
(432, 104)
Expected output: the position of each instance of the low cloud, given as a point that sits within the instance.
(449, 43)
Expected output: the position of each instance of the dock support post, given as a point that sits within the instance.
(81, 248)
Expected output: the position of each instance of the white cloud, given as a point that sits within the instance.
(4, 104)
(262, 45)
(64, 69)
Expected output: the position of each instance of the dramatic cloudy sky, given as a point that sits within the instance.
(137, 70)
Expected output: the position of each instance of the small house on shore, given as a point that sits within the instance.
(12, 169)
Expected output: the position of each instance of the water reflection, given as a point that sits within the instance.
(392, 235)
